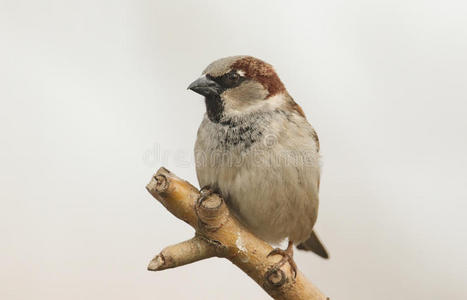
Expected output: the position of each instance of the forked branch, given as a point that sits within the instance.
(218, 233)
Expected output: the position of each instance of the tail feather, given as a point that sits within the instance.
(314, 244)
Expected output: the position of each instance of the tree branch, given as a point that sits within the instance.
(181, 254)
(218, 233)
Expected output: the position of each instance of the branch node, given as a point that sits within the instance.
(218, 247)
(275, 277)
(157, 263)
(162, 184)
(211, 211)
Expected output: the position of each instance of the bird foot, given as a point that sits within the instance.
(287, 256)
(206, 190)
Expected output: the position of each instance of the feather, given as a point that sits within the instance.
(314, 244)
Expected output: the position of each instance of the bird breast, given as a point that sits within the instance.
(266, 167)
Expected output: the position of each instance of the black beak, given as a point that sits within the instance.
(205, 86)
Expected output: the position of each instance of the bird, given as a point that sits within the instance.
(256, 149)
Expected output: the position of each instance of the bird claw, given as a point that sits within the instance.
(206, 190)
(287, 256)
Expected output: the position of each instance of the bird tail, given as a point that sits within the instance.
(314, 244)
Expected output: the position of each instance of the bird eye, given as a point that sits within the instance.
(233, 76)
(230, 80)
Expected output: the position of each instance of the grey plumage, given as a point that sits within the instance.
(257, 149)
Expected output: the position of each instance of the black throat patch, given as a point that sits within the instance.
(214, 107)
(241, 132)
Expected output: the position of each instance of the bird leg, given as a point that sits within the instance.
(287, 256)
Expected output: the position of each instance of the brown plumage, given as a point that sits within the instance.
(257, 149)
(262, 72)
(314, 244)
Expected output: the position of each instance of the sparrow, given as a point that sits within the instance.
(256, 148)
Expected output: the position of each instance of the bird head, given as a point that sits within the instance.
(238, 85)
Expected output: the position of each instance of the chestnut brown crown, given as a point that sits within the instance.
(239, 85)
(249, 67)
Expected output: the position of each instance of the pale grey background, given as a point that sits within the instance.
(94, 100)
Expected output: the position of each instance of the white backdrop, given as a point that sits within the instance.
(93, 100)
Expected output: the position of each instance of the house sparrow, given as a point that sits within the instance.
(256, 148)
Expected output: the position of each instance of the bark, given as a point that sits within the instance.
(219, 233)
